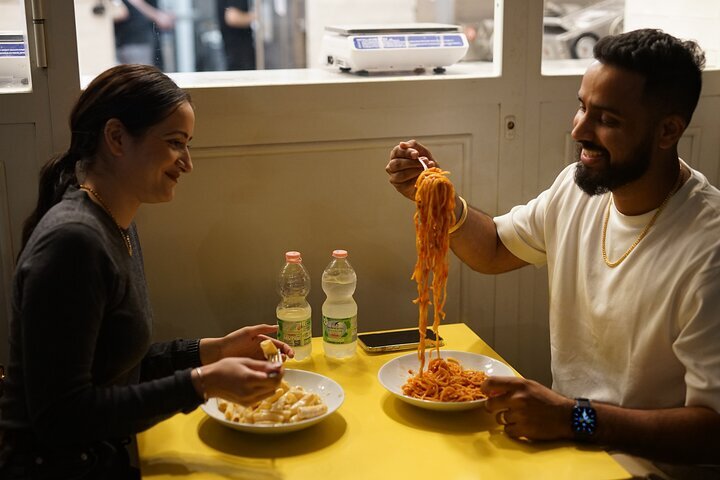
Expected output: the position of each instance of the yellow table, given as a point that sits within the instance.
(372, 436)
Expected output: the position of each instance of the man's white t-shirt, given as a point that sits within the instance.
(645, 334)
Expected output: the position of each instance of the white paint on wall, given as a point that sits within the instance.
(690, 19)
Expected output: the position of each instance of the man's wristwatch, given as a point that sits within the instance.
(584, 419)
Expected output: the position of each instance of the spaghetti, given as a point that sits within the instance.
(434, 216)
(444, 380)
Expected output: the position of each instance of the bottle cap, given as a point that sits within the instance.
(339, 253)
(293, 257)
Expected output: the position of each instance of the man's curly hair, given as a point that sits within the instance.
(672, 68)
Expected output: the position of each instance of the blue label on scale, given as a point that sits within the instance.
(452, 41)
(424, 41)
(11, 49)
(394, 41)
(366, 43)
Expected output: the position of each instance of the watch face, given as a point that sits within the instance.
(584, 420)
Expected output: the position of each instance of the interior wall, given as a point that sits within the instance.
(314, 183)
(281, 167)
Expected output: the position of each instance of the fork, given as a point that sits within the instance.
(276, 359)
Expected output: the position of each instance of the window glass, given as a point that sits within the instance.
(223, 35)
(572, 27)
(14, 58)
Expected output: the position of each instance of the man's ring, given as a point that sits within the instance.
(501, 417)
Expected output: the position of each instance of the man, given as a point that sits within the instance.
(135, 33)
(235, 18)
(631, 237)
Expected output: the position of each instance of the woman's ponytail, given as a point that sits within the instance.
(55, 177)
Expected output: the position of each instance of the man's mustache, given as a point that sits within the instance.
(588, 146)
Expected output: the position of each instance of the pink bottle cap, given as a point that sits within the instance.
(340, 253)
(293, 257)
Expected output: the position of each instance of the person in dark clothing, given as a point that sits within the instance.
(83, 375)
(137, 29)
(235, 18)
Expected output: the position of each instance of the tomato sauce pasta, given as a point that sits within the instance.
(434, 215)
(444, 380)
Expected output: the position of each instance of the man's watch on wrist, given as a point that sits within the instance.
(584, 419)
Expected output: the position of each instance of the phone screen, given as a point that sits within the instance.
(397, 340)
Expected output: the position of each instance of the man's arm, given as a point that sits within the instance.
(478, 245)
(164, 20)
(684, 434)
(237, 18)
(535, 412)
(476, 242)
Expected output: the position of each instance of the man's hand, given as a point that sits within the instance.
(404, 166)
(528, 409)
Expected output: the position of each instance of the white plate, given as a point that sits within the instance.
(395, 373)
(329, 390)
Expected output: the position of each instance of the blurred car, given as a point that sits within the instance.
(572, 32)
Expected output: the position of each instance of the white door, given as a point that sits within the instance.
(31, 126)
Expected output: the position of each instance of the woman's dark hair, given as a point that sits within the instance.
(672, 68)
(140, 96)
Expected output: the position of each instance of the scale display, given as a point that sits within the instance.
(373, 48)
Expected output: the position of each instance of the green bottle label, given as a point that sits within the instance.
(340, 331)
(296, 333)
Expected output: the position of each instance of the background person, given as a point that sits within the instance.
(631, 237)
(83, 375)
(235, 19)
(136, 35)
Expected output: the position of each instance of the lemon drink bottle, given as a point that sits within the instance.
(294, 314)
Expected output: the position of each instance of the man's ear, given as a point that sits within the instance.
(671, 129)
(115, 136)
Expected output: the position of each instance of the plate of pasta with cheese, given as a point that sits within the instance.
(450, 381)
(303, 399)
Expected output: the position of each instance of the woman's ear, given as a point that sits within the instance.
(115, 136)
(671, 129)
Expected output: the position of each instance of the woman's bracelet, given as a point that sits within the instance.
(463, 216)
(202, 383)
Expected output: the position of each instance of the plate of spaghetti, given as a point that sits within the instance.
(450, 382)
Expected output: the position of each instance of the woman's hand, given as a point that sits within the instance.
(404, 166)
(240, 380)
(244, 342)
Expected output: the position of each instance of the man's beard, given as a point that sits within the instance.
(598, 181)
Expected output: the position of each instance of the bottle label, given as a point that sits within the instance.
(296, 333)
(340, 331)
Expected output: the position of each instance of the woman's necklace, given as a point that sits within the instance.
(645, 231)
(125, 236)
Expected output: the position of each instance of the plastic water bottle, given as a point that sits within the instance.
(294, 313)
(339, 312)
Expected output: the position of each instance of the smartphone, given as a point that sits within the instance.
(395, 340)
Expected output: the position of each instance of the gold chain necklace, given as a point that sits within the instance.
(125, 236)
(645, 230)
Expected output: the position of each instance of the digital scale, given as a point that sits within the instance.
(14, 64)
(393, 47)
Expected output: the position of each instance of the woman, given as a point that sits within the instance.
(83, 376)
